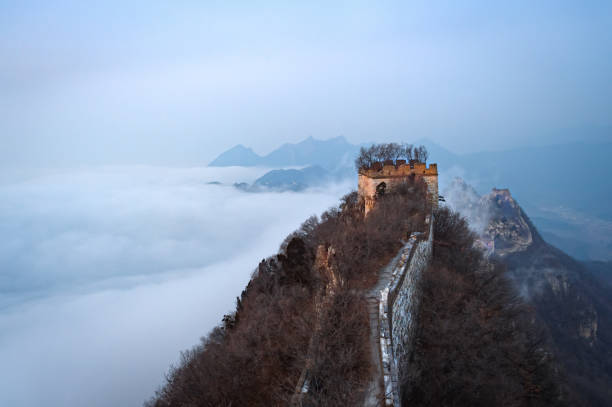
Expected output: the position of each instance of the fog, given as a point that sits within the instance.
(462, 197)
(107, 273)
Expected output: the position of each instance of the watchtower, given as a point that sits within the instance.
(384, 176)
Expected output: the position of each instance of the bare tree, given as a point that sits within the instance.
(421, 154)
(408, 153)
(389, 151)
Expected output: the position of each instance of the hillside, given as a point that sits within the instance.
(301, 332)
(390, 299)
(577, 311)
(570, 301)
(289, 180)
(602, 270)
(304, 310)
(476, 344)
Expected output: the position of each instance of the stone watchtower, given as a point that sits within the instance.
(381, 177)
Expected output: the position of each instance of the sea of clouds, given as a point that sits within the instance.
(106, 274)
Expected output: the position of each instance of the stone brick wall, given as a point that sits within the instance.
(393, 174)
(398, 308)
(404, 299)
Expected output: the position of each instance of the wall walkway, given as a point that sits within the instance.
(393, 306)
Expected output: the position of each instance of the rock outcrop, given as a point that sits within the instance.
(507, 229)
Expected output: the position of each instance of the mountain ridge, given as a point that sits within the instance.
(330, 154)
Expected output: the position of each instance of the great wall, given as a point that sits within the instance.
(393, 304)
(394, 301)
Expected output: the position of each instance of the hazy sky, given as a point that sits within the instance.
(178, 82)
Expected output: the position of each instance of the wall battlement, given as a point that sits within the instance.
(399, 168)
(384, 176)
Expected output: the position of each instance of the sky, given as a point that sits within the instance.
(108, 273)
(177, 83)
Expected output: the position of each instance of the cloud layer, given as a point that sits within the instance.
(108, 273)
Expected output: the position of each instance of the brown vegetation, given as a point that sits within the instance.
(390, 152)
(477, 344)
(341, 362)
(578, 317)
(257, 355)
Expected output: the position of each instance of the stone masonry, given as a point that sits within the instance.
(394, 302)
(389, 174)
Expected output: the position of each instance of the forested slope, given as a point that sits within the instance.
(300, 309)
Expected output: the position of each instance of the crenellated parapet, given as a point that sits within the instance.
(399, 168)
(384, 176)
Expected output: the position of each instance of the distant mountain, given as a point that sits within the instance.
(332, 155)
(238, 155)
(571, 301)
(291, 180)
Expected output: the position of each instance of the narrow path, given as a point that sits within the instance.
(375, 395)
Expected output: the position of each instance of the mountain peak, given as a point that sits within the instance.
(502, 193)
(241, 148)
(496, 217)
(237, 155)
(509, 228)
